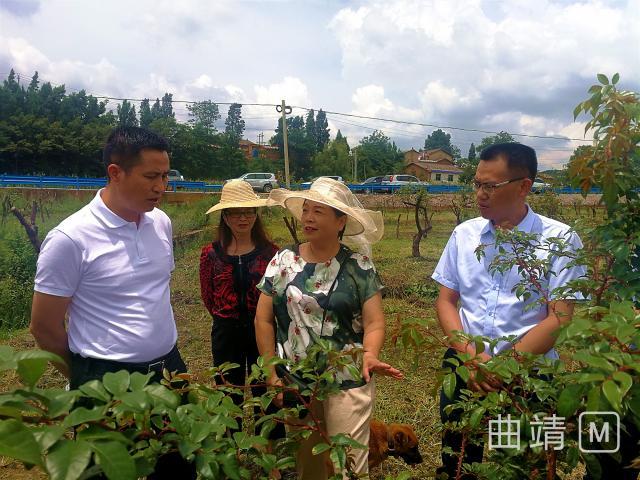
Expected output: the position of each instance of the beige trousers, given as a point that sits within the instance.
(349, 411)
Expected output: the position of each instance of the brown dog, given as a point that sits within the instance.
(393, 439)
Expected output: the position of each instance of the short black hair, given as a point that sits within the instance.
(519, 157)
(124, 145)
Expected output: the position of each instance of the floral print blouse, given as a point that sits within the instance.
(300, 291)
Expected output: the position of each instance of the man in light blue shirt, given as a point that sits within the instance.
(478, 302)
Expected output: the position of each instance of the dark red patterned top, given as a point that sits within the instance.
(228, 282)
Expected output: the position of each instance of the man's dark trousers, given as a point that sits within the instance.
(170, 465)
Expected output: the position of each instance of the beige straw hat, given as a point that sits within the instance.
(238, 194)
(363, 226)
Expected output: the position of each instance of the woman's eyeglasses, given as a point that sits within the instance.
(240, 213)
(490, 187)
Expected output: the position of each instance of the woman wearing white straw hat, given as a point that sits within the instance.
(230, 268)
(322, 289)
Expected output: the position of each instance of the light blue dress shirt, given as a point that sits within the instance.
(487, 304)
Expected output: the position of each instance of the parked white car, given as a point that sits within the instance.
(540, 186)
(264, 182)
(401, 180)
(335, 177)
(175, 176)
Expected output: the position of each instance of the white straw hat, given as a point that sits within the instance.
(363, 226)
(238, 194)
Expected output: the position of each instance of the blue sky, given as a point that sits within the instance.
(519, 66)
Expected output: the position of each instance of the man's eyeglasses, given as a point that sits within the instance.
(490, 187)
(241, 213)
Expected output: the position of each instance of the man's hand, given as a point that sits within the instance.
(371, 364)
(479, 379)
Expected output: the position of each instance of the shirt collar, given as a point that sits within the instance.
(526, 224)
(109, 217)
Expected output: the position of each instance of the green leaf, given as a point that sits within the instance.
(60, 402)
(161, 394)
(569, 401)
(339, 458)
(114, 460)
(136, 401)
(33, 363)
(603, 79)
(593, 400)
(84, 415)
(117, 383)
(463, 372)
(7, 358)
(615, 78)
(94, 389)
(18, 442)
(47, 435)
(319, 448)
(67, 460)
(476, 416)
(612, 394)
(137, 380)
(449, 385)
(625, 381)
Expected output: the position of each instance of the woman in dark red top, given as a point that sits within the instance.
(230, 269)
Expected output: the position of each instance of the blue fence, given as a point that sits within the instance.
(91, 183)
(94, 183)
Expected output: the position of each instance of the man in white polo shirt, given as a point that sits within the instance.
(475, 301)
(107, 268)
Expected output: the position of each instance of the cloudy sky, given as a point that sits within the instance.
(514, 65)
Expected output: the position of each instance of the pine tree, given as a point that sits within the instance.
(322, 130)
(471, 156)
(145, 113)
(127, 114)
(156, 110)
(311, 132)
(166, 109)
(234, 125)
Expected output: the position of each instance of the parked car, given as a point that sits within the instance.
(335, 177)
(401, 180)
(540, 186)
(265, 182)
(371, 182)
(175, 176)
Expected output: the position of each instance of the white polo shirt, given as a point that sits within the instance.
(117, 274)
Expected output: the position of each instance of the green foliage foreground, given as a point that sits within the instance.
(123, 423)
(599, 369)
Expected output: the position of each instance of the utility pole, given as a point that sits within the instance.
(355, 154)
(285, 109)
(260, 138)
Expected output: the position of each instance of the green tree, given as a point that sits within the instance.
(146, 116)
(156, 111)
(439, 139)
(127, 114)
(380, 155)
(166, 108)
(471, 156)
(322, 130)
(341, 139)
(234, 125)
(204, 114)
(310, 126)
(333, 160)
(502, 137)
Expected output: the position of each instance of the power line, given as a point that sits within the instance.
(446, 127)
(353, 115)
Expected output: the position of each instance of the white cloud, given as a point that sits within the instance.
(291, 89)
(100, 77)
